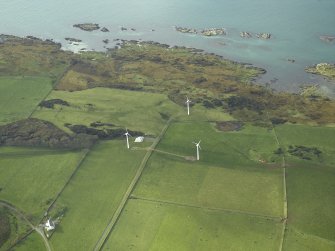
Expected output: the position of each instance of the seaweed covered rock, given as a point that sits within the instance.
(36, 132)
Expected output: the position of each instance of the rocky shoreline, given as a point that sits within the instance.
(324, 69)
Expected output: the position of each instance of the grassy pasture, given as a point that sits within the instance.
(33, 242)
(30, 178)
(94, 194)
(19, 96)
(245, 148)
(252, 191)
(156, 226)
(311, 201)
(297, 241)
(134, 110)
(310, 136)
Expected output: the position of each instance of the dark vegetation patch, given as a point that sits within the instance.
(304, 152)
(100, 124)
(51, 102)
(229, 125)
(35, 132)
(101, 133)
(5, 230)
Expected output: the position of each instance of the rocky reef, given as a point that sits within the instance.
(87, 26)
(104, 29)
(324, 69)
(263, 35)
(75, 40)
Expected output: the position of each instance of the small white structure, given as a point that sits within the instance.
(139, 139)
(49, 225)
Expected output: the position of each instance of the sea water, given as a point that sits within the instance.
(295, 25)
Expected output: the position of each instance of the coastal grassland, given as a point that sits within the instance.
(32, 57)
(311, 204)
(319, 137)
(248, 190)
(244, 148)
(146, 225)
(20, 95)
(157, 68)
(33, 242)
(31, 177)
(140, 111)
(91, 198)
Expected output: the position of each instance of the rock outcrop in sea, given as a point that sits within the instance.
(87, 26)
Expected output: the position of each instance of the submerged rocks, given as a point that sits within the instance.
(206, 32)
(87, 26)
(245, 34)
(185, 30)
(104, 29)
(75, 40)
(327, 38)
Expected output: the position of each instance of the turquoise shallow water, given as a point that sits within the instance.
(295, 24)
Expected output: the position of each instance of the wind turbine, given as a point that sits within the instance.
(198, 147)
(188, 105)
(127, 135)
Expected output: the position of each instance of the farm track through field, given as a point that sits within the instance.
(69, 180)
(223, 210)
(285, 207)
(22, 216)
(131, 187)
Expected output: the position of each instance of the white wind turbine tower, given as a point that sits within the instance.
(188, 105)
(127, 135)
(198, 148)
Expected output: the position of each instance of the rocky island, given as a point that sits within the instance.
(263, 35)
(87, 26)
(213, 32)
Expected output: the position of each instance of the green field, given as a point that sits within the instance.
(311, 201)
(93, 195)
(33, 242)
(157, 226)
(30, 178)
(134, 110)
(245, 148)
(19, 96)
(296, 241)
(251, 191)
